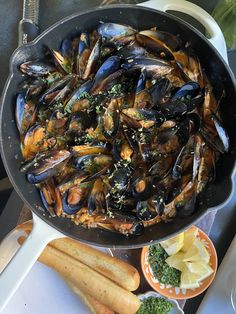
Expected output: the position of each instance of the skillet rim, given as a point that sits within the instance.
(34, 43)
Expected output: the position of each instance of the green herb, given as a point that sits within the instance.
(161, 270)
(152, 305)
(116, 90)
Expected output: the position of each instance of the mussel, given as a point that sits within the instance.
(25, 113)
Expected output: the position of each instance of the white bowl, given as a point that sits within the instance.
(176, 308)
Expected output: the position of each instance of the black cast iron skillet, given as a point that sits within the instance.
(140, 18)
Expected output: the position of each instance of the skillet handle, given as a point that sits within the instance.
(213, 29)
(21, 263)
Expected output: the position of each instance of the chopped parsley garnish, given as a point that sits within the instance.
(161, 270)
(152, 305)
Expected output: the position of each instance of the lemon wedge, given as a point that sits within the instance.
(189, 237)
(189, 280)
(176, 261)
(173, 245)
(202, 251)
(201, 269)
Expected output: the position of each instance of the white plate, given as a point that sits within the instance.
(43, 291)
(175, 310)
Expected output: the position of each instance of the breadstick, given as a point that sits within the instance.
(90, 282)
(120, 272)
(94, 306)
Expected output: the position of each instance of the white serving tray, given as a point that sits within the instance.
(43, 291)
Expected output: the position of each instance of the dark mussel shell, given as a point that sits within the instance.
(108, 49)
(154, 45)
(188, 90)
(35, 141)
(142, 188)
(113, 30)
(110, 65)
(33, 87)
(92, 60)
(123, 223)
(129, 124)
(63, 64)
(156, 68)
(83, 55)
(162, 167)
(146, 115)
(145, 210)
(185, 202)
(122, 150)
(36, 68)
(78, 94)
(131, 51)
(222, 134)
(66, 48)
(57, 123)
(79, 122)
(25, 113)
(44, 166)
(119, 179)
(54, 89)
(48, 197)
(206, 171)
(110, 119)
(92, 163)
(73, 200)
(169, 40)
(184, 159)
(173, 109)
(97, 198)
(159, 90)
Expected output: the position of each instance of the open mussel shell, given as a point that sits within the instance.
(110, 120)
(97, 198)
(92, 61)
(74, 199)
(114, 30)
(54, 89)
(44, 166)
(83, 54)
(142, 188)
(145, 211)
(122, 150)
(124, 223)
(79, 122)
(154, 45)
(92, 149)
(48, 197)
(145, 115)
(25, 113)
(169, 40)
(92, 163)
(57, 123)
(77, 95)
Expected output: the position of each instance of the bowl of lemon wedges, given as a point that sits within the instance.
(181, 267)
